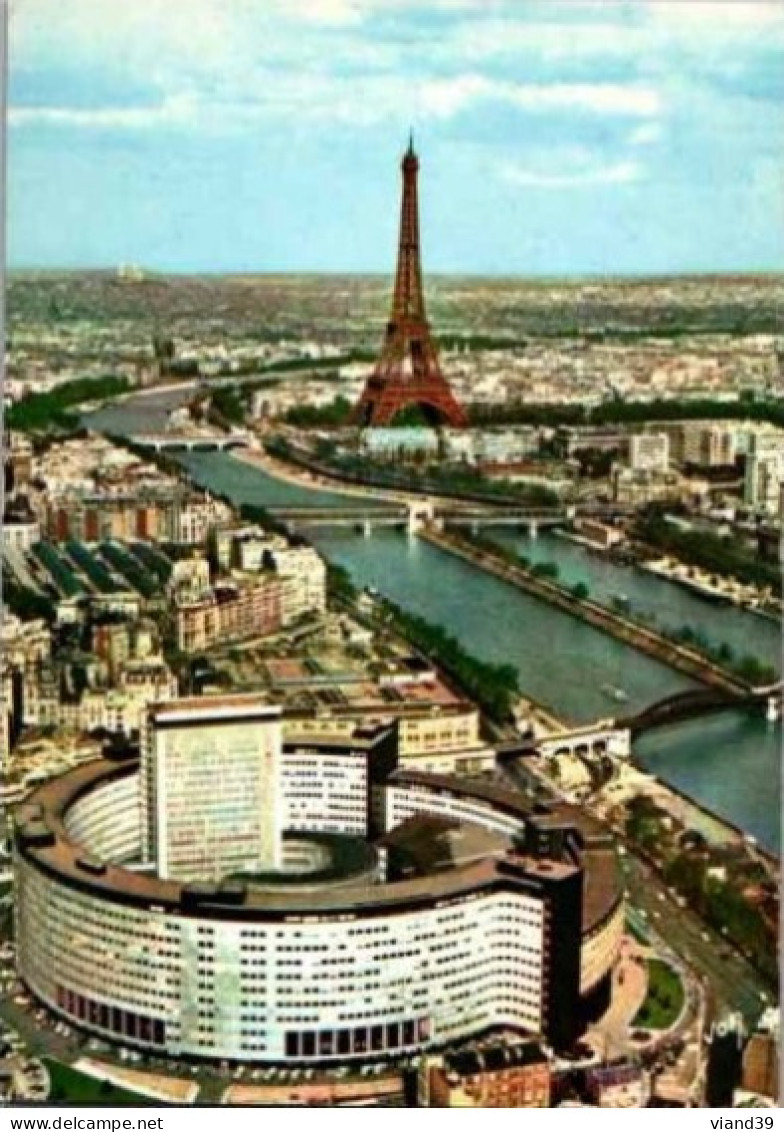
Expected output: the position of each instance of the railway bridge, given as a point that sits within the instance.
(702, 701)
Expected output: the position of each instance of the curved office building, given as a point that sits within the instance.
(460, 909)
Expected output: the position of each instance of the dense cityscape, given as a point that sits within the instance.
(210, 723)
(390, 685)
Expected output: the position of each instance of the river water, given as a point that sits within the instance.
(243, 483)
(730, 762)
(562, 662)
(671, 606)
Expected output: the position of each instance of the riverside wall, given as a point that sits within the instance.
(684, 660)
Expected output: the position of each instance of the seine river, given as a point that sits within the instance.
(729, 762)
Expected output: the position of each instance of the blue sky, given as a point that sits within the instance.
(556, 137)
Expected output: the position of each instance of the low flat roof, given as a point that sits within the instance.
(426, 844)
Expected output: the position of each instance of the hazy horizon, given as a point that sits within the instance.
(575, 277)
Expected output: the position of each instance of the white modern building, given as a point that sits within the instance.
(764, 471)
(303, 576)
(210, 787)
(649, 452)
(458, 909)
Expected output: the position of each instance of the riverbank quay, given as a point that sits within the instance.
(375, 480)
(312, 476)
(646, 559)
(684, 660)
(298, 476)
(713, 587)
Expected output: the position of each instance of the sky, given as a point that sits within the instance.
(556, 137)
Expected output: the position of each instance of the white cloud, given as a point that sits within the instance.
(361, 100)
(704, 23)
(215, 64)
(177, 111)
(646, 134)
(124, 35)
(569, 168)
(603, 98)
(553, 41)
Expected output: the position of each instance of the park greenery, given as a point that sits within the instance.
(69, 1086)
(457, 480)
(704, 549)
(717, 888)
(614, 411)
(664, 999)
(724, 905)
(39, 412)
(494, 687)
(255, 513)
(311, 369)
(289, 365)
(340, 583)
(227, 403)
(619, 412)
(337, 413)
(748, 667)
(334, 414)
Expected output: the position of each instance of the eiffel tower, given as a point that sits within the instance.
(408, 372)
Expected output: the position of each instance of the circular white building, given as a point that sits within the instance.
(466, 910)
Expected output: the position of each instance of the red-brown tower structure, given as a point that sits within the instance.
(408, 372)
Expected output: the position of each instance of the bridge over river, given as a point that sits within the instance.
(702, 701)
(193, 441)
(414, 516)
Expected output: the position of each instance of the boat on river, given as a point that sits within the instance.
(614, 693)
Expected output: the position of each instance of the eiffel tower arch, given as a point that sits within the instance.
(408, 372)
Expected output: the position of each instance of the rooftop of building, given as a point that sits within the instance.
(358, 736)
(426, 844)
(340, 857)
(203, 707)
(43, 839)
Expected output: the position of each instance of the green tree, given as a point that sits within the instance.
(228, 403)
(546, 570)
(332, 415)
(39, 412)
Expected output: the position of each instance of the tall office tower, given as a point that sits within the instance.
(408, 372)
(716, 447)
(210, 787)
(649, 451)
(764, 471)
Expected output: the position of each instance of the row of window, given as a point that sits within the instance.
(356, 1039)
(124, 1023)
